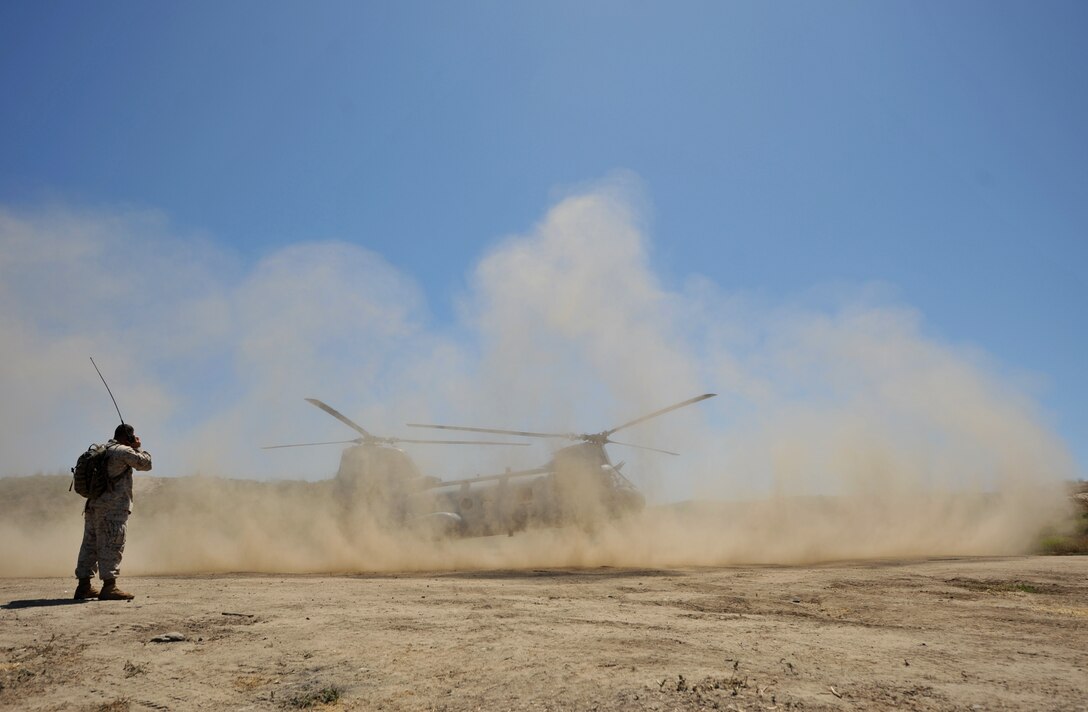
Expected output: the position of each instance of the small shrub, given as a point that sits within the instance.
(324, 696)
(1064, 545)
(1071, 538)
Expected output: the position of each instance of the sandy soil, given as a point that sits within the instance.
(1008, 633)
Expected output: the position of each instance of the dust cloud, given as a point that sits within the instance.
(208, 525)
(841, 429)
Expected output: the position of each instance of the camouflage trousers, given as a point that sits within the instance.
(103, 543)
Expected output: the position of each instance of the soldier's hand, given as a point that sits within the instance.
(136, 443)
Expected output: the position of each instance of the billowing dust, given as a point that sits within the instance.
(197, 524)
(842, 429)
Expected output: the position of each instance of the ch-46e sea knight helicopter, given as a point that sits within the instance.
(578, 486)
(375, 477)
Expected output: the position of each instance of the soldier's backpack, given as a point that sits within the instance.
(89, 476)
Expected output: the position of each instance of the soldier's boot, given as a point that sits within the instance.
(110, 592)
(85, 590)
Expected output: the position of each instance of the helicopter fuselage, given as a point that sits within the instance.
(579, 486)
(376, 481)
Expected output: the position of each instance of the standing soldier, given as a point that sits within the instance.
(106, 516)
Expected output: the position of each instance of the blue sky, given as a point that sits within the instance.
(932, 154)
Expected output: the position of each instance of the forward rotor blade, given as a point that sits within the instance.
(656, 413)
(458, 442)
(497, 431)
(340, 416)
(330, 442)
(642, 447)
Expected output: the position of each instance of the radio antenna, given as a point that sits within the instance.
(108, 391)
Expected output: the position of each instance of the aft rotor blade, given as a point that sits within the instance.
(497, 431)
(458, 442)
(656, 413)
(340, 416)
(330, 442)
(642, 447)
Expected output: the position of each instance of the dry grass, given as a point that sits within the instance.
(119, 705)
(248, 683)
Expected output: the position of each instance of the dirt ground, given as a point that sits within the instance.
(943, 634)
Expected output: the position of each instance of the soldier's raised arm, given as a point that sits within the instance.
(133, 454)
(137, 459)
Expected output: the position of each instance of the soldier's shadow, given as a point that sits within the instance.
(44, 602)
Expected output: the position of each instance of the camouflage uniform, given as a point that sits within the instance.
(105, 517)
